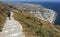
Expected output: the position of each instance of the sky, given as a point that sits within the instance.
(34, 0)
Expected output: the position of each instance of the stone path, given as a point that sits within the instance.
(12, 28)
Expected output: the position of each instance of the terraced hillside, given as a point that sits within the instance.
(34, 27)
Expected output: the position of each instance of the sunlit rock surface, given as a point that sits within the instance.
(46, 14)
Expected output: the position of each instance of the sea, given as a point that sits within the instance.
(51, 5)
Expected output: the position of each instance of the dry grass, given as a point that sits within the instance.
(34, 27)
(2, 17)
(3, 13)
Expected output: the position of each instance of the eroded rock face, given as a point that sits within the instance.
(38, 11)
(46, 15)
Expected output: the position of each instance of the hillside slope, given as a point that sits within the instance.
(3, 12)
(34, 27)
(38, 11)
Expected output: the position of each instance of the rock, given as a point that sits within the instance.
(46, 15)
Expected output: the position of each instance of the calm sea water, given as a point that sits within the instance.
(51, 5)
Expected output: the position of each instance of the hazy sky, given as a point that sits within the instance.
(34, 0)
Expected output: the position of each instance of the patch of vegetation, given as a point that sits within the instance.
(30, 24)
(34, 27)
(3, 10)
(2, 17)
(41, 32)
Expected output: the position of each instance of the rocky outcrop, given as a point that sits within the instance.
(45, 14)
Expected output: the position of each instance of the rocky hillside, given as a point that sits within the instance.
(36, 27)
(37, 10)
(32, 26)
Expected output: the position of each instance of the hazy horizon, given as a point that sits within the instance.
(31, 0)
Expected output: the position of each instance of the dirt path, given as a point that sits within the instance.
(12, 28)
